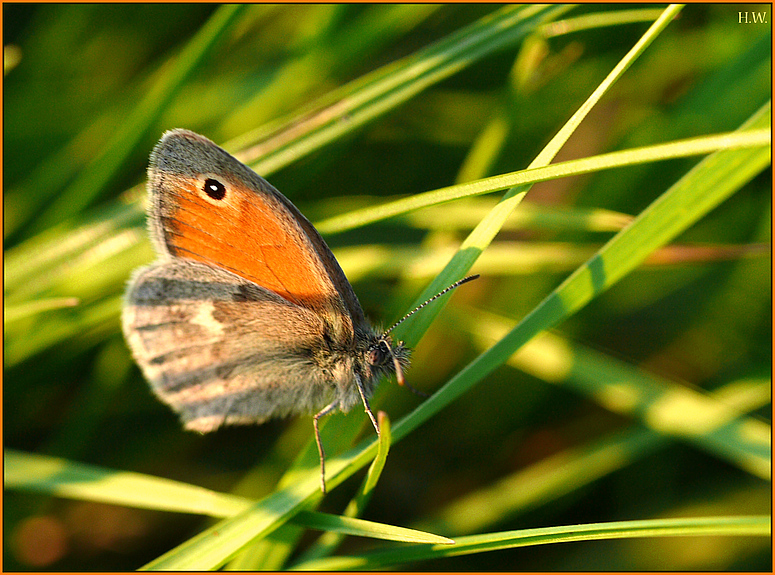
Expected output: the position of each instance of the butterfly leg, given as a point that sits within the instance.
(366, 403)
(325, 411)
(226, 412)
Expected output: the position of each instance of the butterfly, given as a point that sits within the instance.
(246, 314)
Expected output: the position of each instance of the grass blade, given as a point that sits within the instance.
(485, 232)
(709, 183)
(91, 181)
(681, 527)
(361, 528)
(63, 478)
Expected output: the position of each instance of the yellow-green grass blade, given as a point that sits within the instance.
(359, 527)
(713, 423)
(478, 240)
(63, 478)
(699, 146)
(576, 467)
(92, 180)
(328, 542)
(346, 109)
(700, 190)
(736, 526)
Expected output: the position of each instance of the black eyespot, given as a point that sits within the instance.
(215, 189)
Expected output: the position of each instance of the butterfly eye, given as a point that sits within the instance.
(215, 189)
(374, 356)
(379, 353)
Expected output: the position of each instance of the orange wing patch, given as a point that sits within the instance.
(248, 236)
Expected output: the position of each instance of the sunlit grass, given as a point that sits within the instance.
(607, 177)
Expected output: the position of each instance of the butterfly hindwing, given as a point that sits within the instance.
(220, 349)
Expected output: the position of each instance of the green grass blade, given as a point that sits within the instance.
(91, 181)
(29, 265)
(647, 154)
(576, 467)
(707, 420)
(17, 312)
(376, 467)
(598, 20)
(680, 527)
(344, 110)
(361, 528)
(478, 240)
(63, 478)
(543, 482)
(709, 183)
(328, 542)
(553, 147)
(324, 56)
(214, 546)
(82, 323)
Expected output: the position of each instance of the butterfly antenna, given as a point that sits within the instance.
(427, 301)
(399, 371)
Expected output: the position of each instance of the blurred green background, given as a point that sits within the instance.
(89, 89)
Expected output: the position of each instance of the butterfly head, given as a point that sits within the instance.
(383, 357)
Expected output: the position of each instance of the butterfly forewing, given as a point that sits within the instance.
(213, 209)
